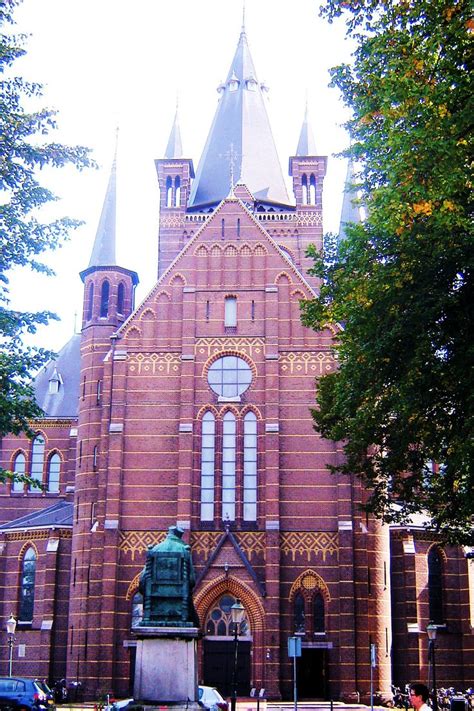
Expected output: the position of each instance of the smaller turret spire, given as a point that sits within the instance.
(350, 212)
(306, 143)
(174, 148)
(103, 251)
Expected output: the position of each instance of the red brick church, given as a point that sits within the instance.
(194, 408)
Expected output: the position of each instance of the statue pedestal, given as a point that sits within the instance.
(166, 669)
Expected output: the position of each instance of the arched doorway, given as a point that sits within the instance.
(219, 649)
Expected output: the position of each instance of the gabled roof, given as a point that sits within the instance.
(57, 384)
(57, 516)
(240, 145)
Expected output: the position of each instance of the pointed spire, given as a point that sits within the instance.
(306, 142)
(174, 148)
(240, 121)
(349, 211)
(103, 251)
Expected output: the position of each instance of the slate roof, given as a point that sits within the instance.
(103, 251)
(240, 141)
(65, 371)
(306, 142)
(349, 211)
(174, 148)
(60, 515)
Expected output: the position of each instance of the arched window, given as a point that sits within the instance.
(19, 467)
(37, 459)
(90, 302)
(121, 298)
(169, 192)
(177, 191)
(27, 591)
(54, 470)
(304, 186)
(298, 613)
(318, 613)
(208, 455)
(229, 434)
(137, 609)
(435, 586)
(219, 619)
(312, 190)
(250, 467)
(104, 299)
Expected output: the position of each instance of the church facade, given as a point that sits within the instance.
(194, 408)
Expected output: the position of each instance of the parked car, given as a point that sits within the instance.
(20, 694)
(209, 698)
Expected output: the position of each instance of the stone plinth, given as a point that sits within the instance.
(166, 669)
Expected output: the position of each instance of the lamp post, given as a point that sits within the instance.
(431, 631)
(237, 613)
(11, 627)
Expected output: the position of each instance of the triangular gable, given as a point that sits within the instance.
(228, 537)
(209, 233)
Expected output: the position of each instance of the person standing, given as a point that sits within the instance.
(419, 695)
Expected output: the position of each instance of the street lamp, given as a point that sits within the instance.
(431, 631)
(11, 627)
(237, 614)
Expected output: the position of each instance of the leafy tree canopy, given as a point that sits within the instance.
(24, 149)
(401, 283)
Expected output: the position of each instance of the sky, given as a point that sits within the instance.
(109, 63)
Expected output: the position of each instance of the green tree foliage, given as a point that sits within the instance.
(23, 236)
(401, 283)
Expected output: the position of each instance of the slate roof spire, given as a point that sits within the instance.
(103, 251)
(349, 211)
(306, 142)
(174, 147)
(240, 132)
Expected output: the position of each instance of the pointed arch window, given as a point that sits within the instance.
(250, 467)
(304, 186)
(229, 436)
(27, 590)
(435, 586)
(169, 192)
(177, 191)
(121, 298)
(312, 190)
(104, 299)
(54, 471)
(298, 613)
(208, 456)
(318, 614)
(37, 459)
(219, 619)
(90, 302)
(19, 467)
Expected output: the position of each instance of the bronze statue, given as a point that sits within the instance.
(166, 583)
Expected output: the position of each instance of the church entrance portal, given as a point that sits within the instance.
(218, 666)
(311, 674)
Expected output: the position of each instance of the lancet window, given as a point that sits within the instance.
(27, 589)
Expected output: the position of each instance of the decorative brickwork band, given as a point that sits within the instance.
(155, 363)
(309, 544)
(307, 362)
(211, 346)
(136, 542)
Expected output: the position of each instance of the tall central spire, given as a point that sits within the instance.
(241, 128)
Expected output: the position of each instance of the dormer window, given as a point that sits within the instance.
(55, 383)
(233, 83)
(251, 84)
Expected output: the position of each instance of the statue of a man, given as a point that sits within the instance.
(166, 583)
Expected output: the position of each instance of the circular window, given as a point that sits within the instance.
(229, 376)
